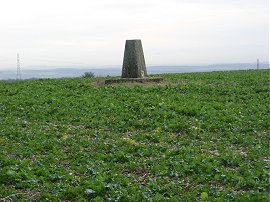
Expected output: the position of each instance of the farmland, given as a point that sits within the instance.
(200, 137)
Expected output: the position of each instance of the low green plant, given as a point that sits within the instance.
(204, 137)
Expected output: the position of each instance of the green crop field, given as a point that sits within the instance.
(200, 137)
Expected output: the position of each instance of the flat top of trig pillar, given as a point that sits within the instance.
(133, 40)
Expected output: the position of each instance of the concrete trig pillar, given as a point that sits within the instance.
(134, 63)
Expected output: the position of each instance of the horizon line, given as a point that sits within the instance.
(31, 67)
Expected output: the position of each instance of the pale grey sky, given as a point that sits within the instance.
(93, 32)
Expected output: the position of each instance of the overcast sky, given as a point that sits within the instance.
(93, 32)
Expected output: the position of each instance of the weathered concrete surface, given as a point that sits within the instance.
(134, 63)
(134, 80)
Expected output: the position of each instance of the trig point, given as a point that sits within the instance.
(134, 64)
(134, 69)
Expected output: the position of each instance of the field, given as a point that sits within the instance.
(200, 137)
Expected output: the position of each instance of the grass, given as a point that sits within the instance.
(202, 137)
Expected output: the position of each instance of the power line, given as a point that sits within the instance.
(19, 76)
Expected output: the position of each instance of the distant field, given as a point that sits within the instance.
(202, 137)
(72, 72)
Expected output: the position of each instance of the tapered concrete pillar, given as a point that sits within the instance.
(133, 64)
